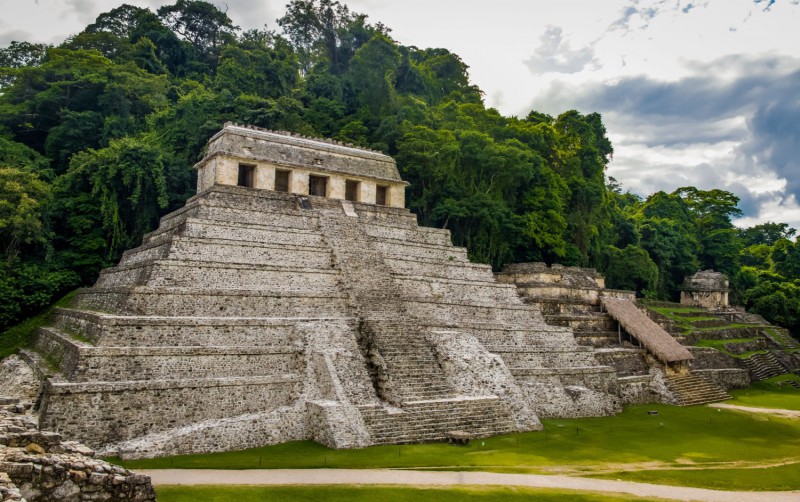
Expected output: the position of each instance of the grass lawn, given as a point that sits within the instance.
(769, 394)
(674, 439)
(776, 478)
(686, 322)
(382, 493)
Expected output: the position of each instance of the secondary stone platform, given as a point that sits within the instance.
(651, 363)
(295, 298)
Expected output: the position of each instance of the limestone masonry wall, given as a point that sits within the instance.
(38, 465)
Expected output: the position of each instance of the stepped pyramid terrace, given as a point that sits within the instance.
(294, 297)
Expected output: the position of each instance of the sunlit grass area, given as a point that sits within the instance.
(771, 393)
(782, 477)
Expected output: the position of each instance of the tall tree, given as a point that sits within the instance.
(712, 211)
(202, 24)
(766, 233)
(326, 31)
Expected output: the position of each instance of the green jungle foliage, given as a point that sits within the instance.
(98, 136)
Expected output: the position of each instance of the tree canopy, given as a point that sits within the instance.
(98, 135)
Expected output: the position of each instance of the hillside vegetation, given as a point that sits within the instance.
(98, 136)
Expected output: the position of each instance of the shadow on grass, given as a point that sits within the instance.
(382, 493)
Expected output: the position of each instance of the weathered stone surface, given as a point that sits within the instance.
(706, 288)
(20, 383)
(56, 471)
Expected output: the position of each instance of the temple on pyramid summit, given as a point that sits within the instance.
(294, 297)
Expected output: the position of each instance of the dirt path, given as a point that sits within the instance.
(770, 411)
(449, 478)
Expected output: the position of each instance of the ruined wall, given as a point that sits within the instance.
(707, 289)
(471, 369)
(101, 413)
(40, 466)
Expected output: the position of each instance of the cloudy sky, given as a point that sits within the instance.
(700, 92)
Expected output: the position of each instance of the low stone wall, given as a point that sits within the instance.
(187, 302)
(40, 466)
(115, 331)
(171, 364)
(249, 232)
(421, 235)
(445, 269)
(706, 358)
(627, 362)
(454, 290)
(638, 389)
(456, 312)
(422, 251)
(722, 334)
(537, 272)
(224, 434)
(790, 360)
(549, 357)
(496, 338)
(727, 378)
(100, 413)
(589, 296)
(570, 392)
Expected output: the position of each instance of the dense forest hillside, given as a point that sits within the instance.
(98, 136)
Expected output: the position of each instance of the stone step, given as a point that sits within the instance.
(103, 329)
(246, 232)
(692, 389)
(401, 266)
(421, 251)
(433, 420)
(81, 362)
(404, 233)
(763, 366)
(410, 364)
(456, 290)
(209, 302)
(186, 274)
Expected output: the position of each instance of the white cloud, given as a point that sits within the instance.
(554, 54)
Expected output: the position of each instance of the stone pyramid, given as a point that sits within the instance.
(294, 297)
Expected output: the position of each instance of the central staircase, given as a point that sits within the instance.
(418, 404)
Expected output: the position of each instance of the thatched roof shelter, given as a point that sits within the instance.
(657, 341)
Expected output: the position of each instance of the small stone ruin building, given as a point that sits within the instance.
(706, 288)
(294, 297)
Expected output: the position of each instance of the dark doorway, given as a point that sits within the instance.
(318, 185)
(281, 180)
(246, 175)
(351, 190)
(380, 195)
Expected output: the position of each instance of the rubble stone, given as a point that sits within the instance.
(60, 472)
